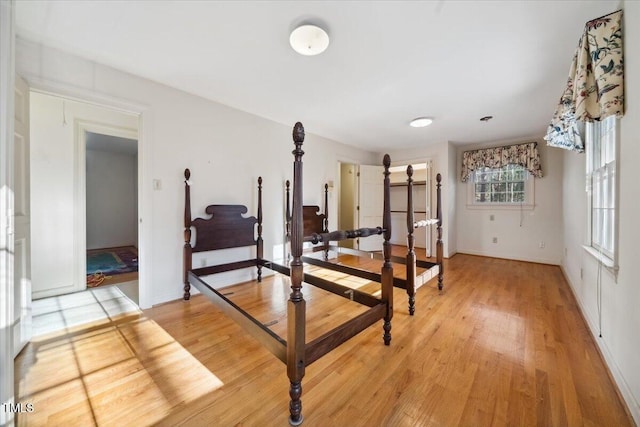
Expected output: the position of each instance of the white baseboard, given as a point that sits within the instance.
(618, 378)
(539, 260)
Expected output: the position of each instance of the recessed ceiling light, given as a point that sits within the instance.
(420, 122)
(309, 40)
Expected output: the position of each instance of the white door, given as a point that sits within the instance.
(425, 194)
(21, 219)
(370, 205)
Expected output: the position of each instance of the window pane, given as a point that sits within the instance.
(610, 230)
(597, 189)
(611, 195)
(601, 174)
(500, 185)
(596, 220)
(607, 135)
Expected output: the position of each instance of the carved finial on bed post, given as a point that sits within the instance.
(298, 134)
(296, 306)
(259, 242)
(439, 249)
(387, 269)
(411, 254)
(186, 252)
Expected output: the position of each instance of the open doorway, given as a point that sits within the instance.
(72, 207)
(347, 201)
(421, 201)
(112, 212)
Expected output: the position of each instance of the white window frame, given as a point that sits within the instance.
(595, 168)
(529, 196)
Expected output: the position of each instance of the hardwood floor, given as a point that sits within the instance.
(504, 344)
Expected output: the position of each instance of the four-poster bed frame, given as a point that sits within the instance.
(227, 228)
(316, 224)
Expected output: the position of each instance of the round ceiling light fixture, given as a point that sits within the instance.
(421, 122)
(309, 40)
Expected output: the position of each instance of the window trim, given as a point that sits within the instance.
(528, 204)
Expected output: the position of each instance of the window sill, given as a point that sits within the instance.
(502, 206)
(605, 260)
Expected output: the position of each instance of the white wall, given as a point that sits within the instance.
(57, 194)
(620, 299)
(519, 232)
(112, 202)
(226, 150)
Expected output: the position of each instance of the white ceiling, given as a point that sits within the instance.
(388, 61)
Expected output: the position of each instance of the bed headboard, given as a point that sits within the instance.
(227, 228)
(313, 221)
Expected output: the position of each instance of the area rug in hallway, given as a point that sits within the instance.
(102, 263)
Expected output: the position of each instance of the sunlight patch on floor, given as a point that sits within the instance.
(94, 365)
(499, 331)
(62, 314)
(345, 279)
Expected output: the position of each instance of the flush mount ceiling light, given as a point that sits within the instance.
(309, 40)
(420, 122)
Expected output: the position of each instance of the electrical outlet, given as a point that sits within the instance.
(495, 240)
(541, 245)
(157, 184)
(492, 218)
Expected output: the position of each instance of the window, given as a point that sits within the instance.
(508, 186)
(601, 148)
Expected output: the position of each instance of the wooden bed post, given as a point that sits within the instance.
(387, 269)
(411, 254)
(288, 219)
(325, 221)
(259, 242)
(439, 249)
(296, 306)
(186, 252)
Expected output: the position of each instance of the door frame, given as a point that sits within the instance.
(145, 142)
(7, 73)
(80, 191)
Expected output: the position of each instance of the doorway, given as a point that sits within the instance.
(347, 201)
(112, 212)
(421, 196)
(64, 136)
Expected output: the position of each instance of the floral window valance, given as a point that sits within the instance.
(595, 87)
(525, 155)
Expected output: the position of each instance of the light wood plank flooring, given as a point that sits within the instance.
(503, 345)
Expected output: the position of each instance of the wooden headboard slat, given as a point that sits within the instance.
(226, 228)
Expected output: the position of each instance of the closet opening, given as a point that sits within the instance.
(422, 191)
(112, 212)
